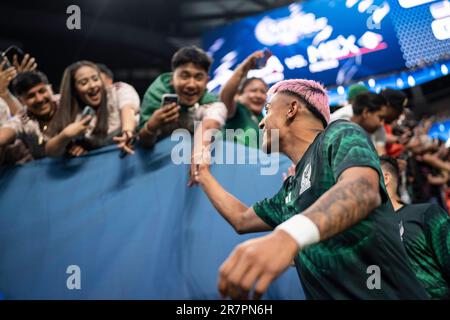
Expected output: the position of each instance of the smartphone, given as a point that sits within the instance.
(3, 58)
(169, 98)
(261, 62)
(11, 52)
(88, 111)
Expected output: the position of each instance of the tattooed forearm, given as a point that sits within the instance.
(347, 203)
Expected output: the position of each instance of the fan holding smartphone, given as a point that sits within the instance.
(16, 57)
(246, 112)
(168, 113)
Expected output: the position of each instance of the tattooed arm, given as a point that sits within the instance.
(257, 262)
(349, 201)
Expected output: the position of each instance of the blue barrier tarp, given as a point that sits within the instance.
(131, 225)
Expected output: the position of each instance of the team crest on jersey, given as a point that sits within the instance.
(288, 198)
(402, 230)
(306, 179)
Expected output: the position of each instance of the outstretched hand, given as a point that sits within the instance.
(251, 61)
(200, 163)
(125, 142)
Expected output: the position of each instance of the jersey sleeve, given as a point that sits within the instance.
(347, 146)
(437, 231)
(270, 209)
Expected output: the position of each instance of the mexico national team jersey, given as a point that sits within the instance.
(426, 239)
(368, 260)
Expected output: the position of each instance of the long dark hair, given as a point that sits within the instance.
(70, 104)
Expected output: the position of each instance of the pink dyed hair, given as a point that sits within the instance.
(313, 93)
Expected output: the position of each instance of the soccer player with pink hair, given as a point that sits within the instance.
(332, 217)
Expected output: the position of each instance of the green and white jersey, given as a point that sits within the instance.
(368, 260)
(426, 238)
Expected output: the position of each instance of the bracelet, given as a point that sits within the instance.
(156, 132)
(129, 133)
(302, 229)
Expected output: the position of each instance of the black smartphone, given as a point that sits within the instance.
(169, 98)
(11, 52)
(7, 64)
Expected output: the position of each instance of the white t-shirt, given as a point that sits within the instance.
(118, 95)
(345, 113)
(5, 114)
(214, 111)
(28, 130)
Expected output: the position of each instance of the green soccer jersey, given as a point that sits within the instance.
(366, 261)
(426, 238)
(244, 119)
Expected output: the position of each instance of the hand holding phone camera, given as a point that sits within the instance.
(14, 51)
(169, 98)
(77, 129)
(20, 60)
(261, 62)
(88, 111)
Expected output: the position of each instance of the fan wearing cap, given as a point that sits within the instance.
(346, 112)
(333, 216)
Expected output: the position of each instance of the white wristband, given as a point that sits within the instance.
(302, 229)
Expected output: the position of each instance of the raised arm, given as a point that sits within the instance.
(229, 90)
(128, 119)
(434, 160)
(6, 77)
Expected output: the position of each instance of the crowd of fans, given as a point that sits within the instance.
(424, 162)
(91, 111)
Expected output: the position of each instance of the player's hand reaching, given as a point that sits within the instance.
(254, 264)
(200, 163)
